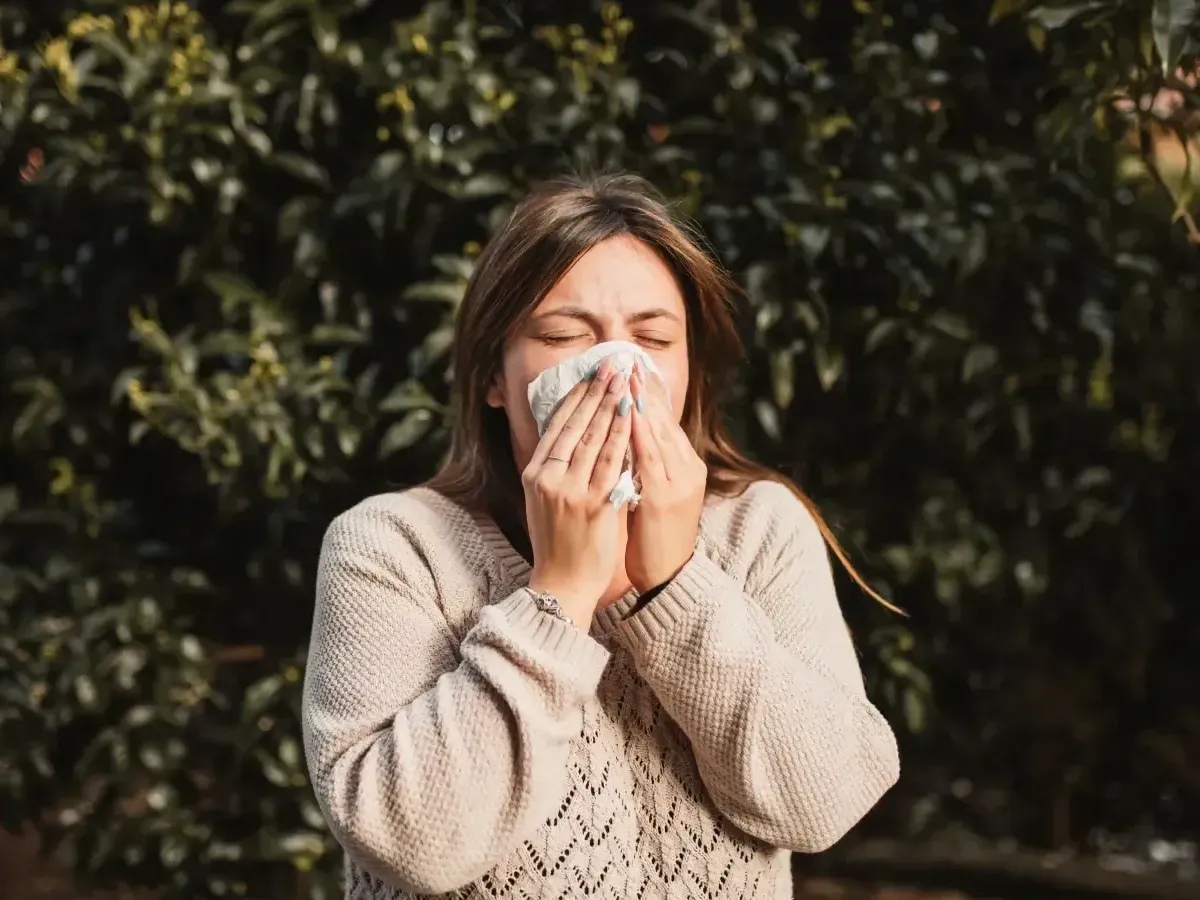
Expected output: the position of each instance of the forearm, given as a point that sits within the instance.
(790, 753)
(431, 794)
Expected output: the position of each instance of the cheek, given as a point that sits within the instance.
(513, 395)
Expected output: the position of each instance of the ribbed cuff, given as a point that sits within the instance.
(549, 635)
(691, 593)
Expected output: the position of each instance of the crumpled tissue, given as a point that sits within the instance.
(547, 392)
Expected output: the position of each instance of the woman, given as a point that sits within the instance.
(515, 689)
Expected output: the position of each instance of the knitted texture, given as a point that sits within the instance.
(462, 742)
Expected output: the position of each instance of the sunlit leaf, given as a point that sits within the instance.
(300, 166)
(403, 434)
(830, 362)
(1172, 21)
(1052, 17)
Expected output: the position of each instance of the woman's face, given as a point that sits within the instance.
(620, 290)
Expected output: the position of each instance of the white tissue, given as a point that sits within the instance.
(547, 391)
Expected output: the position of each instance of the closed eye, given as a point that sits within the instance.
(654, 343)
(560, 339)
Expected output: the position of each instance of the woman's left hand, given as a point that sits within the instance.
(662, 530)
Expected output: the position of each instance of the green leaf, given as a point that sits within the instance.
(333, 333)
(435, 291)
(879, 333)
(1051, 17)
(263, 14)
(950, 324)
(406, 396)
(783, 377)
(434, 346)
(302, 167)
(85, 691)
(1002, 9)
(914, 711)
(830, 362)
(257, 139)
(768, 418)
(403, 434)
(484, 185)
(230, 286)
(1172, 22)
(301, 843)
(979, 359)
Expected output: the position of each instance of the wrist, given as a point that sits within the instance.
(578, 605)
(659, 578)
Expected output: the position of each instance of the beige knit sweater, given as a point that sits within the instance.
(463, 742)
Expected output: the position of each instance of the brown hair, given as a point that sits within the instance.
(551, 229)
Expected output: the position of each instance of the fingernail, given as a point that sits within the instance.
(603, 369)
(641, 405)
(623, 406)
(617, 384)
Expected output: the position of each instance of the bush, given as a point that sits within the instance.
(227, 289)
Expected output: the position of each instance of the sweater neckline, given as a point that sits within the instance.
(514, 564)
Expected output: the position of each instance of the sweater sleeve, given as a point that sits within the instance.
(764, 680)
(432, 761)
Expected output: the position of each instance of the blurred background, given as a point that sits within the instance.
(232, 239)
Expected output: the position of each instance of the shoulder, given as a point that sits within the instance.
(415, 535)
(764, 510)
(764, 521)
(418, 515)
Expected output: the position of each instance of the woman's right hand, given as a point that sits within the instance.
(573, 528)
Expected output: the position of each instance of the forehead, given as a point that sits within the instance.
(619, 276)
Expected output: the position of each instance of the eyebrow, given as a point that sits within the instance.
(578, 312)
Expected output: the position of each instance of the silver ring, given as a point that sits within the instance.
(558, 459)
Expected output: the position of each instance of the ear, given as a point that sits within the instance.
(495, 392)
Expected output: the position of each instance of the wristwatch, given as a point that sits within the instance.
(549, 604)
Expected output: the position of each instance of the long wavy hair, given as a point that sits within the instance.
(545, 235)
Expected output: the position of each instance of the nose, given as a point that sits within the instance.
(614, 328)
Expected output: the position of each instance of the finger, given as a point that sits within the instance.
(637, 387)
(561, 416)
(648, 456)
(593, 437)
(564, 445)
(555, 426)
(660, 423)
(611, 458)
